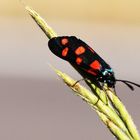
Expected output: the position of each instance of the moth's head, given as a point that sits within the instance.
(109, 77)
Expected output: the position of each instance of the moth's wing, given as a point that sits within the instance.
(88, 60)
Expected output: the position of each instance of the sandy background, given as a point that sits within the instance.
(34, 103)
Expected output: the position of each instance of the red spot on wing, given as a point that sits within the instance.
(80, 50)
(64, 41)
(65, 51)
(95, 65)
(91, 72)
(79, 60)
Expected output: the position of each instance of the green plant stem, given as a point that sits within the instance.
(41, 22)
(124, 114)
(117, 132)
(95, 102)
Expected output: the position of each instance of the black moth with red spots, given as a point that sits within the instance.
(85, 60)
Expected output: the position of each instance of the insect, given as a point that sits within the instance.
(85, 60)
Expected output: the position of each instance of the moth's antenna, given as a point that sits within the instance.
(130, 86)
(128, 83)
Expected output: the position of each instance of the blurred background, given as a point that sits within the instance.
(34, 103)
